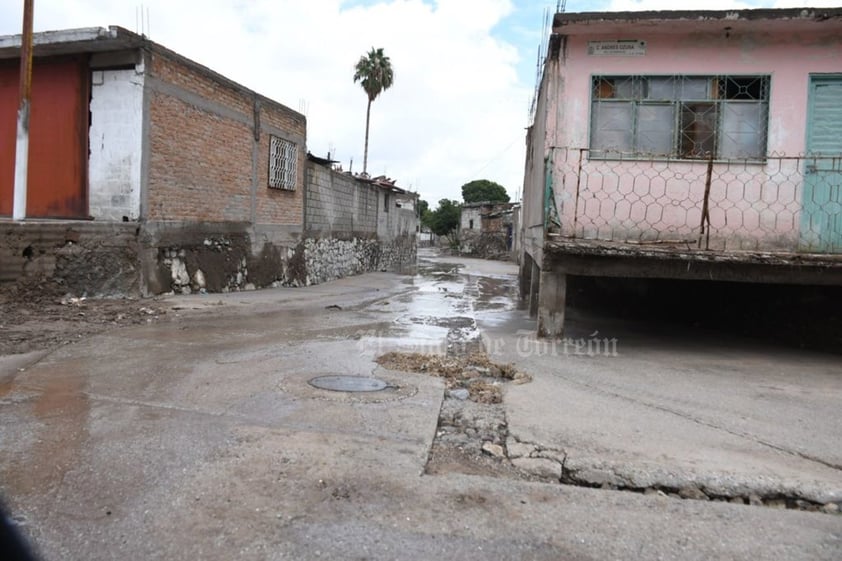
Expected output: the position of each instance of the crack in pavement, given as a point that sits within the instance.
(704, 423)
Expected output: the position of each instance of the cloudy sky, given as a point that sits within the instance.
(464, 70)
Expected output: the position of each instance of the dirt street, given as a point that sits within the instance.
(41, 315)
(201, 427)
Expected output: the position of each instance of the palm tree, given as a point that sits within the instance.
(374, 72)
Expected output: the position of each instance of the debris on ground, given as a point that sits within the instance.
(472, 427)
(474, 372)
(41, 314)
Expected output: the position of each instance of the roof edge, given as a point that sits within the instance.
(113, 38)
(806, 13)
(79, 36)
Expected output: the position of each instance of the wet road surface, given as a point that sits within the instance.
(202, 438)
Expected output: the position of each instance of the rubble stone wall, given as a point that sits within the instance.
(349, 230)
(329, 259)
(86, 258)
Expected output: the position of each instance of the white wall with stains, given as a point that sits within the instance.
(116, 144)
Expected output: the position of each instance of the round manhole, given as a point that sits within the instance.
(348, 384)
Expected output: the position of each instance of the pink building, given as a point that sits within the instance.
(697, 145)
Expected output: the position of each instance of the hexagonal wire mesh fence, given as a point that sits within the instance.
(777, 204)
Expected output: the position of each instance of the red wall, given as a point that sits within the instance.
(57, 142)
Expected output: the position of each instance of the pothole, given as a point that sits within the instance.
(472, 376)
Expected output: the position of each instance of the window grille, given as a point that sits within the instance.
(283, 163)
(685, 117)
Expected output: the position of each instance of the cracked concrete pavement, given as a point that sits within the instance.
(200, 437)
(733, 418)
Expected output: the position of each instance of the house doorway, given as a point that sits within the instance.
(821, 214)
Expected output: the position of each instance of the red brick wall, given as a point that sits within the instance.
(200, 164)
(275, 206)
(200, 152)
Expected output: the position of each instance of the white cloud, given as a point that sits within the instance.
(456, 102)
(456, 112)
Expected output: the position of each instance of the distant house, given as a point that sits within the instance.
(702, 145)
(487, 229)
(150, 173)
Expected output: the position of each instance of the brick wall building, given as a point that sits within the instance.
(166, 176)
(200, 179)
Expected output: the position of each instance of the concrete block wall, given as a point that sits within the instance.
(348, 229)
(399, 219)
(338, 204)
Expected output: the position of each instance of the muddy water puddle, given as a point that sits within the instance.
(446, 311)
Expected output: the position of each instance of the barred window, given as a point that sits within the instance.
(687, 117)
(283, 163)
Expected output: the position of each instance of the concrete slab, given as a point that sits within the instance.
(733, 417)
(200, 438)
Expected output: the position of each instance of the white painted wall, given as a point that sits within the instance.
(116, 144)
(468, 214)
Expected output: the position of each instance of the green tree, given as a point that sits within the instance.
(444, 221)
(424, 212)
(483, 190)
(374, 72)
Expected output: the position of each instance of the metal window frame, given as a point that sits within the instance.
(283, 164)
(639, 98)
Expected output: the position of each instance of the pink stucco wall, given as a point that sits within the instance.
(752, 205)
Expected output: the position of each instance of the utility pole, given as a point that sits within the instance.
(22, 147)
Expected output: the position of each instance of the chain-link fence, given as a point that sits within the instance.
(780, 203)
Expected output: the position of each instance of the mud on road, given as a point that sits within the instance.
(41, 315)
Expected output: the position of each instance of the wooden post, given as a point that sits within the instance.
(22, 146)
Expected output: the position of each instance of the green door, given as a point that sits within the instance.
(821, 212)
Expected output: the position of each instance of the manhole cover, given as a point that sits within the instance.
(348, 384)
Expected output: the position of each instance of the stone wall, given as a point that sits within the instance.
(84, 258)
(331, 259)
(353, 226)
(487, 245)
